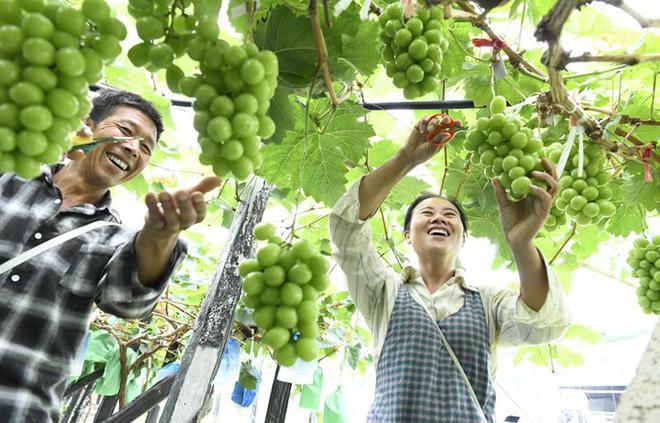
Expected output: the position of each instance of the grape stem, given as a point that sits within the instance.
(466, 169)
(322, 52)
(568, 238)
(302, 167)
(627, 59)
(516, 59)
(555, 59)
(382, 216)
(623, 118)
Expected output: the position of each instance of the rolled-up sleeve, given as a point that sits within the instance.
(370, 281)
(516, 323)
(120, 291)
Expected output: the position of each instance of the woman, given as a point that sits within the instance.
(434, 332)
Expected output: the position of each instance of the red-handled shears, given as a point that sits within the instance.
(444, 125)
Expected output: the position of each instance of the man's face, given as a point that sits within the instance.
(113, 163)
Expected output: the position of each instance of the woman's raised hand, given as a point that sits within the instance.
(418, 148)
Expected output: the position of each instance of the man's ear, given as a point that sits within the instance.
(406, 235)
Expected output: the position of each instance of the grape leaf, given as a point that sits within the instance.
(405, 191)
(582, 333)
(477, 84)
(353, 44)
(246, 378)
(487, 225)
(587, 240)
(627, 219)
(458, 35)
(283, 112)
(331, 141)
(635, 190)
(290, 37)
(381, 152)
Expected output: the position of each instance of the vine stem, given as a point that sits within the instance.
(627, 59)
(552, 361)
(549, 30)
(655, 78)
(571, 235)
(516, 59)
(466, 169)
(623, 118)
(322, 52)
(630, 137)
(302, 167)
(522, 21)
(444, 173)
(598, 72)
(382, 215)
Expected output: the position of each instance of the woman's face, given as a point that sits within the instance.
(435, 228)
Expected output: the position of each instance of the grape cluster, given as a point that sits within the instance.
(413, 48)
(232, 98)
(507, 149)
(556, 219)
(645, 262)
(49, 54)
(165, 29)
(232, 91)
(282, 285)
(584, 199)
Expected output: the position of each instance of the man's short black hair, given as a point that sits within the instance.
(109, 99)
(426, 196)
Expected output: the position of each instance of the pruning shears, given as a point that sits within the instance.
(442, 124)
(87, 144)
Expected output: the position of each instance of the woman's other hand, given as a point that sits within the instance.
(521, 220)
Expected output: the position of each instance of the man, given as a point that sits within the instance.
(46, 302)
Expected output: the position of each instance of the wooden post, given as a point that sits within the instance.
(146, 402)
(190, 396)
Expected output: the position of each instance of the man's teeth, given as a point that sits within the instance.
(119, 162)
(441, 232)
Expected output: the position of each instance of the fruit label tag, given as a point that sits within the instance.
(341, 6)
(499, 70)
(364, 10)
(301, 373)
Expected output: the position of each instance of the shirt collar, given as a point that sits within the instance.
(412, 276)
(104, 204)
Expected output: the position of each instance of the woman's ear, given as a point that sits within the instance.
(406, 235)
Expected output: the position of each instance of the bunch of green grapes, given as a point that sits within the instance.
(413, 48)
(645, 262)
(232, 91)
(49, 54)
(282, 286)
(584, 199)
(232, 98)
(507, 149)
(165, 27)
(556, 219)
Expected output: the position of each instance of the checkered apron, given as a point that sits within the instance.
(416, 379)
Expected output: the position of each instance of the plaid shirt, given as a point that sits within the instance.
(46, 302)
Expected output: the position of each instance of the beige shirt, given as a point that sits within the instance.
(373, 286)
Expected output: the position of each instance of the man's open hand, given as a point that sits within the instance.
(171, 213)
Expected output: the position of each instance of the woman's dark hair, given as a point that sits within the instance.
(426, 196)
(108, 100)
